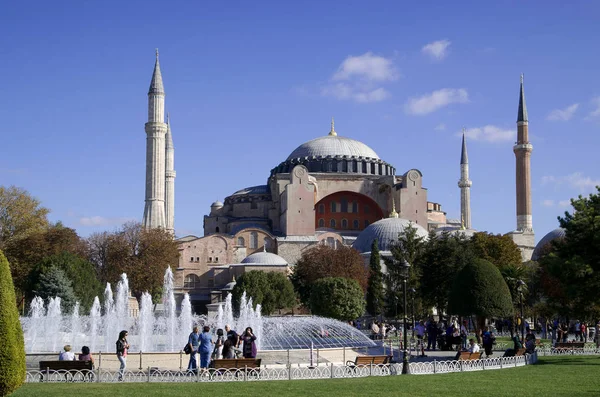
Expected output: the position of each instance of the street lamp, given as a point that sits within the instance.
(404, 268)
(520, 285)
(412, 313)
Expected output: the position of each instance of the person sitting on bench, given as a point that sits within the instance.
(67, 355)
(473, 348)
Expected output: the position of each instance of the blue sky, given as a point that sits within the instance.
(247, 82)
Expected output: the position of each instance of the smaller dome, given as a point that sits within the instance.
(558, 233)
(216, 204)
(264, 258)
(386, 231)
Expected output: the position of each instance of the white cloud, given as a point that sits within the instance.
(564, 203)
(596, 112)
(489, 133)
(437, 50)
(440, 127)
(360, 79)
(102, 221)
(575, 180)
(368, 67)
(548, 203)
(429, 103)
(563, 114)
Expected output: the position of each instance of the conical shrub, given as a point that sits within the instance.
(12, 350)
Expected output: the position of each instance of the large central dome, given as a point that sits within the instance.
(333, 145)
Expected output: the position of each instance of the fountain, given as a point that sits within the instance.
(46, 329)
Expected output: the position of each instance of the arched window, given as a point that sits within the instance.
(356, 224)
(253, 240)
(191, 281)
(344, 224)
(217, 229)
(241, 242)
(344, 205)
(321, 208)
(332, 223)
(355, 207)
(333, 206)
(321, 222)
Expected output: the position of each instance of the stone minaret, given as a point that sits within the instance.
(465, 187)
(154, 210)
(169, 179)
(522, 151)
(524, 236)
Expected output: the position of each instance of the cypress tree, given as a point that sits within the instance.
(12, 353)
(375, 293)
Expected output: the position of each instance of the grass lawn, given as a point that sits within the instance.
(552, 376)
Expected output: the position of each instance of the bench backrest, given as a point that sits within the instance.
(238, 363)
(465, 356)
(375, 360)
(58, 365)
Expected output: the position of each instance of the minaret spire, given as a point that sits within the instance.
(522, 150)
(169, 179)
(522, 113)
(332, 132)
(465, 186)
(156, 129)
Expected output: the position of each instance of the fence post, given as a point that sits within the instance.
(483, 364)
(461, 366)
(344, 356)
(434, 366)
(331, 370)
(180, 360)
(148, 378)
(289, 371)
(47, 374)
(317, 356)
(98, 376)
(99, 359)
(245, 372)
(141, 361)
(501, 361)
(288, 355)
(371, 368)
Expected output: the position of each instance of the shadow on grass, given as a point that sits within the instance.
(569, 360)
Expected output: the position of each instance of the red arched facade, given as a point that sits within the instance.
(346, 211)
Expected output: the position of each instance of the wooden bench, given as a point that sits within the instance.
(243, 364)
(569, 345)
(70, 368)
(368, 360)
(468, 356)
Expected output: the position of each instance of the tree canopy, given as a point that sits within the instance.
(498, 249)
(479, 289)
(20, 214)
(323, 261)
(337, 297)
(12, 353)
(272, 290)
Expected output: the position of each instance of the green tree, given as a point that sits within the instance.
(495, 248)
(12, 353)
(338, 298)
(443, 257)
(375, 292)
(20, 214)
(79, 271)
(571, 271)
(410, 248)
(272, 290)
(323, 261)
(55, 283)
(479, 289)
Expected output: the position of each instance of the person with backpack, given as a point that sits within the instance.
(488, 341)
(193, 342)
(122, 347)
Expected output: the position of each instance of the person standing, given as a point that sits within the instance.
(205, 347)
(232, 336)
(218, 352)
(122, 347)
(463, 335)
(249, 347)
(194, 342)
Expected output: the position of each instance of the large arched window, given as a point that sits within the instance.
(321, 222)
(253, 240)
(241, 242)
(355, 207)
(191, 281)
(344, 205)
(333, 206)
(321, 208)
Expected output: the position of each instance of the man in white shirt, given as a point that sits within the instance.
(473, 347)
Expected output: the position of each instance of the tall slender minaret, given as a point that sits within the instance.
(154, 210)
(522, 151)
(169, 179)
(465, 186)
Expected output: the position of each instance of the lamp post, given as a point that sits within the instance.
(404, 267)
(520, 285)
(412, 313)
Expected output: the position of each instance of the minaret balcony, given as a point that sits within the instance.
(523, 147)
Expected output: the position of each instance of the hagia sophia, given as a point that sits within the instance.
(331, 190)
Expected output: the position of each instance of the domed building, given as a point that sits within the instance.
(543, 245)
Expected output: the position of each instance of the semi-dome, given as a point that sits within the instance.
(558, 233)
(333, 145)
(386, 232)
(264, 258)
